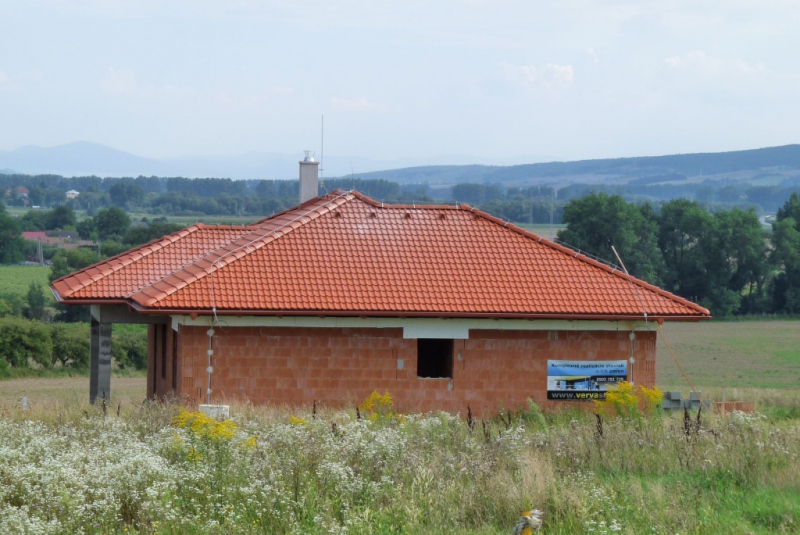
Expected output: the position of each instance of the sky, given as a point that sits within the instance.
(510, 81)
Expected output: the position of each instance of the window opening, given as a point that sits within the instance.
(434, 358)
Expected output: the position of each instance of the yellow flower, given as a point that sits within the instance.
(205, 426)
(296, 420)
(377, 403)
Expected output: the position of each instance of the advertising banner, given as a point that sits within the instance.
(582, 380)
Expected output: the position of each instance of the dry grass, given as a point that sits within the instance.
(732, 355)
(46, 394)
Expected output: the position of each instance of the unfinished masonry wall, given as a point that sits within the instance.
(295, 366)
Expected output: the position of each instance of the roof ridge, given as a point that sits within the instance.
(128, 255)
(206, 267)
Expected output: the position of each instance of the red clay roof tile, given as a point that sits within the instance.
(347, 254)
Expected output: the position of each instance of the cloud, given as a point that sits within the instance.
(552, 77)
(120, 81)
(353, 104)
(592, 55)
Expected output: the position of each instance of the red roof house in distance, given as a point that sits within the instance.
(443, 306)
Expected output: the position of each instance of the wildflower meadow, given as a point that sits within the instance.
(162, 468)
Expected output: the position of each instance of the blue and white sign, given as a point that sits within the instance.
(583, 380)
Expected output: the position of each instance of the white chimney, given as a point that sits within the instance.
(309, 178)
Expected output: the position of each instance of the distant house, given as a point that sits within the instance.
(73, 194)
(443, 306)
(20, 193)
(64, 239)
(34, 236)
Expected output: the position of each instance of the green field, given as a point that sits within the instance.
(16, 279)
(747, 354)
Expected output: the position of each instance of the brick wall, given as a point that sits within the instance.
(295, 366)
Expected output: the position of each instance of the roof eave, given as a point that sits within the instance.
(417, 314)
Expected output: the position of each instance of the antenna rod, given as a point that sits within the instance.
(322, 148)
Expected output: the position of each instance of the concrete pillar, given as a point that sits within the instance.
(100, 361)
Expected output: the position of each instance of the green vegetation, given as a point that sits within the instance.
(160, 469)
(17, 279)
(52, 349)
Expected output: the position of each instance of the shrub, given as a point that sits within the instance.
(71, 344)
(129, 348)
(21, 340)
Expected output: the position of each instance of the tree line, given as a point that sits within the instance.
(726, 261)
(223, 196)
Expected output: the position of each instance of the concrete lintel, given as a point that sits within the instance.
(419, 327)
(122, 314)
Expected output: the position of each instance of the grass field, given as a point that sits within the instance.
(51, 392)
(16, 279)
(748, 354)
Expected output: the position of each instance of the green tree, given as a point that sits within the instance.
(36, 301)
(61, 217)
(126, 195)
(11, 304)
(598, 221)
(129, 348)
(33, 220)
(87, 229)
(735, 257)
(682, 226)
(66, 261)
(11, 242)
(786, 255)
(70, 344)
(113, 222)
(22, 340)
(153, 231)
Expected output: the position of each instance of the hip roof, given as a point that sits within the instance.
(346, 254)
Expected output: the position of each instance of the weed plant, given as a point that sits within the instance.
(158, 468)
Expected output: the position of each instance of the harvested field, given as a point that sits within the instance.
(49, 391)
(731, 355)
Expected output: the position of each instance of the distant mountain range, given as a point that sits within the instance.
(84, 158)
(768, 165)
(761, 166)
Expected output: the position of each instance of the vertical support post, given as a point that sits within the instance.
(100, 361)
(151, 361)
